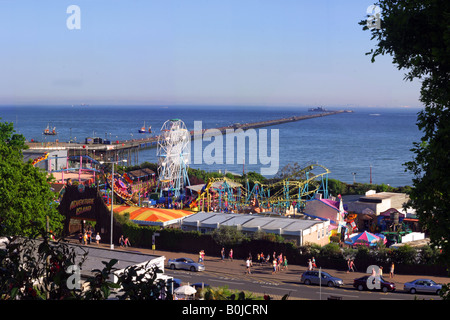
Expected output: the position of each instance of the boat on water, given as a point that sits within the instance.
(143, 129)
(318, 109)
(49, 132)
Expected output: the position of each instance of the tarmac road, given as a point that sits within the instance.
(261, 281)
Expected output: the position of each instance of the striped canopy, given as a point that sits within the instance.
(152, 216)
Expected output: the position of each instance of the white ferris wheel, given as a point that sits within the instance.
(173, 153)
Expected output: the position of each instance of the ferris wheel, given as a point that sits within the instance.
(173, 157)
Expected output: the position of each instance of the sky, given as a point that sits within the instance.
(195, 52)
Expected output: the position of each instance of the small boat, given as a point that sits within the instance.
(49, 132)
(143, 129)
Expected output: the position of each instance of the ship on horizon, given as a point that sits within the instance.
(318, 109)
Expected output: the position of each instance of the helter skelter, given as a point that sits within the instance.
(173, 158)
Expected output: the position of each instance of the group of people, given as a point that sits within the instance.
(124, 242)
(87, 236)
(201, 256)
(230, 254)
(279, 262)
(311, 264)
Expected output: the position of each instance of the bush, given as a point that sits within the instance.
(331, 250)
(405, 255)
(228, 236)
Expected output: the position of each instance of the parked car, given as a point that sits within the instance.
(361, 284)
(186, 264)
(422, 285)
(312, 277)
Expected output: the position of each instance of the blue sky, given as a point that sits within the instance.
(205, 52)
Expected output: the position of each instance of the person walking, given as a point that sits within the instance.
(310, 266)
(351, 265)
(97, 238)
(248, 264)
(274, 264)
(222, 254)
(230, 255)
(127, 242)
(285, 263)
(391, 271)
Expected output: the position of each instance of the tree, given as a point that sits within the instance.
(227, 236)
(26, 197)
(416, 33)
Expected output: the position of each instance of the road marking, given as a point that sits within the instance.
(278, 288)
(344, 295)
(226, 281)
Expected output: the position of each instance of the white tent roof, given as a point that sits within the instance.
(250, 223)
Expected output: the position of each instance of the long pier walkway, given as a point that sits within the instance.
(129, 149)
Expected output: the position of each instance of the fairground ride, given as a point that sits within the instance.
(283, 196)
(173, 158)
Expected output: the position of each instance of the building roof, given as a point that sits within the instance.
(249, 222)
(141, 173)
(152, 216)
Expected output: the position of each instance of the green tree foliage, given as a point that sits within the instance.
(33, 269)
(416, 34)
(227, 236)
(26, 197)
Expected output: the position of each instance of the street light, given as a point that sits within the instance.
(354, 176)
(112, 198)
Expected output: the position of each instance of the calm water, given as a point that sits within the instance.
(344, 143)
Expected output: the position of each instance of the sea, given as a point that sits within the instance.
(367, 144)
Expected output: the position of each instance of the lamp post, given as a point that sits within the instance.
(354, 175)
(112, 199)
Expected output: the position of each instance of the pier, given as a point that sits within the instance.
(129, 149)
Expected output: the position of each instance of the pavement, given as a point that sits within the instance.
(237, 267)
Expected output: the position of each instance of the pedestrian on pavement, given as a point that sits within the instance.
(285, 263)
(314, 263)
(127, 242)
(391, 272)
(230, 255)
(310, 266)
(222, 254)
(121, 241)
(274, 264)
(97, 238)
(248, 265)
(351, 265)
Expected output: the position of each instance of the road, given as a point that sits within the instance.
(232, 274)
(277, 288)
(261, 281)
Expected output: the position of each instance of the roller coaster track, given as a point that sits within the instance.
(281, 194)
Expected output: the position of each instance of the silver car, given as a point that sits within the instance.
(423, 285)
(186, 264)
(312, 277)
